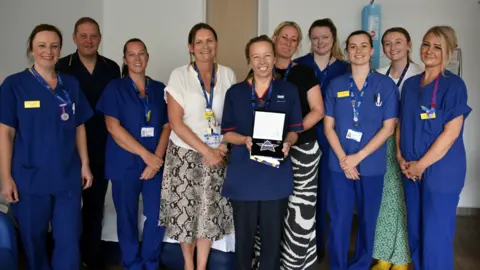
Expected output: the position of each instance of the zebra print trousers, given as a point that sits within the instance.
(299, 248)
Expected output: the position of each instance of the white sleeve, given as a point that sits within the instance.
(176, 86)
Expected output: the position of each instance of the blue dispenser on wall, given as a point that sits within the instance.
(371, 22)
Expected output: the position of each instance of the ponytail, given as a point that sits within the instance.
(124, 70)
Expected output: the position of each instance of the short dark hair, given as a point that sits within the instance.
(40, 28)
(84, 20)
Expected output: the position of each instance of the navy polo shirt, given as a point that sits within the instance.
(92, 85)
(121, 101)
(45, 159)
(338, 105)
(249, 180)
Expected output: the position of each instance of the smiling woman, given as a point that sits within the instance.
(42, 123)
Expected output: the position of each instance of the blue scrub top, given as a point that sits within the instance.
(338, 105)
(120, 100)
(417, 135)
(249, 180)
(45, 158)
(337, 68)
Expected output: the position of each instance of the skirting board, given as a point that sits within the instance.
(468, 212)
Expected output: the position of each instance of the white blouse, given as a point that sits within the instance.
(185, 88)
(413, 70)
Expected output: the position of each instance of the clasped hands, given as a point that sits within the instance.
(349, 166)
(215, 158)
(154, 163)
(413, 170)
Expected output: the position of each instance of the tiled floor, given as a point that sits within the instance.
(466, 244)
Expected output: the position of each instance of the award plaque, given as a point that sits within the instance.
(268, 129)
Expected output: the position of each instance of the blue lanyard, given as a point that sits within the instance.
(286, 72)
(318, 71)
(67, 99)
(254, 97)
(212, 84)
(403, 73)
(356, 103)
(146, 104)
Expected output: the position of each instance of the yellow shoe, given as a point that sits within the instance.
(381, 265)
(400, 267)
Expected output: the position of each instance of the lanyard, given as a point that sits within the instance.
(286, 72)
(146, 104)
(67, 99)
(356, 103)
(254, 98)
(318, 71)
(433, 103)
(212, 84)
(403, 73)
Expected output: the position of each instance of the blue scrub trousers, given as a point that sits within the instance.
(8, 244)
(343, 195)
(125, 193)
(431, 220)
(34, 213)
(322, 191)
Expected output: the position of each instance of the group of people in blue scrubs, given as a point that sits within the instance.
(57, 114)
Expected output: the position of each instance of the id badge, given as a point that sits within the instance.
(208, 115)
(212, 140)
(354, 135)
(426, 116)
(147, 132)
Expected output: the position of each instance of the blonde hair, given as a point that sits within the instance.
(284, 24)
(448, 42)
(336, 51)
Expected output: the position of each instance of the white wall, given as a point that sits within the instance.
(164, 26)
(416, 16)
(19, 17)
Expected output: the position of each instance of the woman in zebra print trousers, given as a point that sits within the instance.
(299, 251)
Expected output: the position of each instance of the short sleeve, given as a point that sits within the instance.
(295, 114)
(108, 102)
(232, 77)
(455, 101)
(83, 109)
(8, 105)
(228, 120)
(330, 101)
(391, 102)
(176, 86)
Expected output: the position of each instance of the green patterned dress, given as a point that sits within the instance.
(391, 237)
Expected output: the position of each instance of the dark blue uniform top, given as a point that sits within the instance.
(249, 180)
(324, 77)
(92, 86)
(417, 135)
(121, 101)
(45, 159)
(372, 115)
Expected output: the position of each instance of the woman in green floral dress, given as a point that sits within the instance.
(391, 238)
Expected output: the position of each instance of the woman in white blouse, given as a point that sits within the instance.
(192, 209)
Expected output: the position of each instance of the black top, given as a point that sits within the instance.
(303, 77)
(92, 86)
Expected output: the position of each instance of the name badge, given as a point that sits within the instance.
(343, 94)
(208, 114)
(32, 104)
(354, 135)
(212, 140)
(147, 132)
(426, 116)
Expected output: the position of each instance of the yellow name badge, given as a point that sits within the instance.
(343, 94)
(32, 104)
(425, 116)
